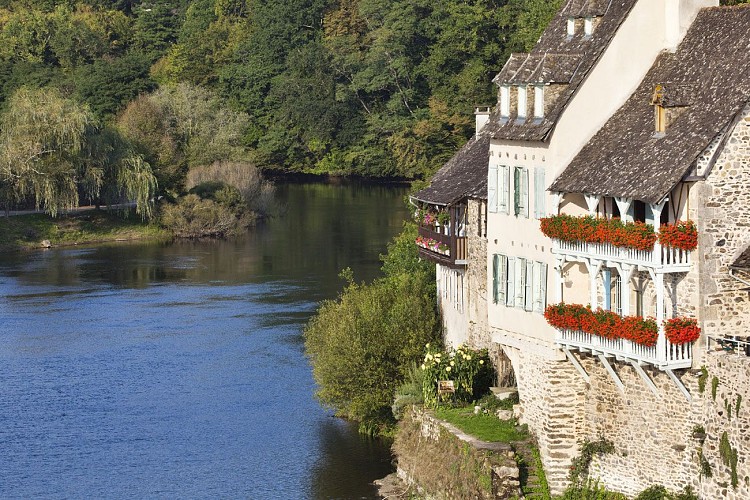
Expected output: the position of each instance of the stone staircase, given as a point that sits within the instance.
(532, 486)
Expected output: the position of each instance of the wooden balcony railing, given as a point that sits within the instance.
(666, 259)
(664, 355)
(456, 253)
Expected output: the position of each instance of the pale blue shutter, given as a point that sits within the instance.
(528, 300)
(539, 198)
(540, 297)
(495, 276)
(492, 188)
(510, 289)
(516, 191)
(520, 279)
(607, 276)
(502, 188)
(524, 208)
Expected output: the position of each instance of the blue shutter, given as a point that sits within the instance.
(492, 188)
(524, 198)
(510, 289)
(540, 297)
(607, 275)
(502, 188)
(495, 275)
(520, 281)
(528, 300)
(516, 191)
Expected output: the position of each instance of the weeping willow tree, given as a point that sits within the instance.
(51, 150)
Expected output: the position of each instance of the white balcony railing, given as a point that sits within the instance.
(667, 259)
(664, 355)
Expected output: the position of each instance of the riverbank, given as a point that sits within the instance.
(24, 232)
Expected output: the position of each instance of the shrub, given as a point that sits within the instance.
(655, 492)
(245, 178)
(362, 345)
(410, 392)
(470, 370)
(192, 217)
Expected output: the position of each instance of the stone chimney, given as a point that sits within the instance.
(482, 115)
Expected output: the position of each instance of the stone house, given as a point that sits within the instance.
(627, 120)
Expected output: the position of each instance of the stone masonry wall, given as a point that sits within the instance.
(476, 278)
(652, 434)
(551, 394)
(720, 415)
(719, 207)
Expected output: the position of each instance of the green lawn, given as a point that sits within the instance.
(485, 427)
(93, 226)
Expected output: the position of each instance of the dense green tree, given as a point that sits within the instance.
(362, 345)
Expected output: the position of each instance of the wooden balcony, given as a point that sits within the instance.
(456, 254)
(664, 355)
(660, 259)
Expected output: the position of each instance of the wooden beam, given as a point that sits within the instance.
(649, 383)
(679, 385)
(577, 364)
(612, 373)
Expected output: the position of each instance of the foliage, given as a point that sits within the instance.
(255, 192)
(363, 344)
(590, 490)
(409, 392)
(193, 217)
(714, 386)
(729, 458)
(579, 467)
(654, 492)
(469, 369)
(51, 150)
(482, 426)
(91, 226)
(702, 379)
(682, 235)
(682, 330)
(704, 465)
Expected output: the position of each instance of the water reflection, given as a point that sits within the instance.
(165, 370)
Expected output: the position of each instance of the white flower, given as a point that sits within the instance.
(453, 364)
(423, 366)
(427, 345)
(481, 361)
(448, 369)
(468, 358)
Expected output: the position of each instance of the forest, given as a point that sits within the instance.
(119, 100)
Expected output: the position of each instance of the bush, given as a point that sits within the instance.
(192, 217)
(362, 345)
(256, 192)
(470, 370)
(410, 392)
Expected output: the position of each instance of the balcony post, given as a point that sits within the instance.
(661, 343)
(623, 205)
(593, 266)
(592, 201)
(559, 264)
(626, 272)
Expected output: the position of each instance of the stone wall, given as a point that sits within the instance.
(719, 207)
(476, 277)
(720, 415)
(551, 404)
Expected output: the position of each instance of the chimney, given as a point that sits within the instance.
(482, 115)
(678, 16)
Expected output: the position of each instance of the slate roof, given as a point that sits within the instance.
(463, 176)
(743, 260)
(564, 60)
(626, 158)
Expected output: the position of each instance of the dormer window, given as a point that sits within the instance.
(588, 26)
(571, 27)
(538, 102)
(504, 101)
(522, 102)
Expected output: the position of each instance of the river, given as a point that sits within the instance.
(146, 370)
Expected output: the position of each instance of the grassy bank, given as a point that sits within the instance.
(93, 226)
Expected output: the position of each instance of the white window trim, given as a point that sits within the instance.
(539, 101)
(504, 101)
(522, 101)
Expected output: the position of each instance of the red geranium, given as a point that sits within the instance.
(682, 235)
(589, 229)
(682, 330)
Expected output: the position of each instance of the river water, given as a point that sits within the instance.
(177, 370)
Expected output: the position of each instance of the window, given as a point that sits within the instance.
(588, 26)
(617, 295)
(504, 101)
(539, 101)
(521, 191)
(539, 193)
(519, 283)
(522, 98)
